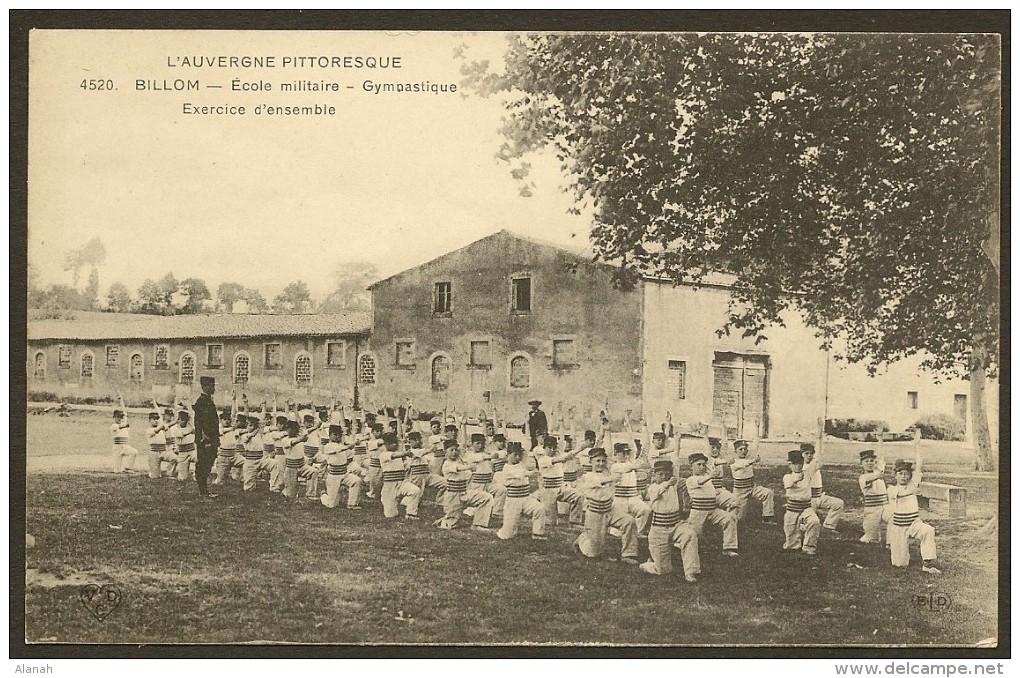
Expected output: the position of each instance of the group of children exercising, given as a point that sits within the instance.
(636, 495)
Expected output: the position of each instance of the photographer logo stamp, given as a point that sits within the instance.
(100, 601)
(933, 602)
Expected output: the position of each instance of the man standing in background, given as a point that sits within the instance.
(538, 426)
(207, 434)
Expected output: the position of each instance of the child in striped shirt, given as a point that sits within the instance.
(458, 495)
(744, 487)
(667, 530)
(122, 452)
(186, 454)
(519, 499)
(906, 523)
(396, 489)
(705, 505)
(800, 523)
(876, 496)
(157, 446)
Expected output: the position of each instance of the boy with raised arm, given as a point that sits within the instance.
(157, 445)
(552, 488)
(906, 523)
(744, 487)
(876, 496)
(705, 505)
(186, 452)
(820, 499)
(396, 490)
(667, 529)
(458, 495)
(228, 443)
(800, 523)
(519, 499)
(601, 514)
(122, 453)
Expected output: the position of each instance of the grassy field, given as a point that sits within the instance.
(256, 568)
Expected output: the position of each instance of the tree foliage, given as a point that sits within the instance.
(850, 177)
(350, 282)
(91, 254)
(196, 293)
(295, 298)
(229, 293)
(118, 298)
(157, 297)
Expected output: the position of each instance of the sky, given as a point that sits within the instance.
(393, 179)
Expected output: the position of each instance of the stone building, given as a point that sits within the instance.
(143, 356)
(509, 319)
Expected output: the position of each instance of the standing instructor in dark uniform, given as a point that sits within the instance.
(538, 427)
(207, 434)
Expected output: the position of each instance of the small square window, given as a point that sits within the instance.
(521, 295)
(442, 298)
(112, 356)
(405, 353)
(214, 355)
(564, 354)
(162, 359)
(677, 379)
(336, 354)
(273, 360)
(481, 356)
(64, 356)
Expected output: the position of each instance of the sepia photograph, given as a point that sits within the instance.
(527, 338)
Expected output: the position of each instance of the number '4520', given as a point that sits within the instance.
(92, 85)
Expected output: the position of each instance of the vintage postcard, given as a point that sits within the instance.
(612, 339)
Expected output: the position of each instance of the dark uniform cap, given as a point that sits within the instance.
(867, 454)
(499, 438)
(696, 457)
(589, 434)
(663, 466)
(282, 420)
(712, 440)
(621, 448)
(447, 444)
(389, 439)
(795, 457)
(597, 452)
(807, 447)
(903, 465)
(739, 443)
(207, 381)
(414, 435)
(308, 416)
(451, 427)
(435, 422)
(515, 447)
(254, 420)
(549, 441)
(118, 413)
(536, 403)
(567, 436)
(336, 429)
(478, 437)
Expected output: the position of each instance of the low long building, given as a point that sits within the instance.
(145, 356)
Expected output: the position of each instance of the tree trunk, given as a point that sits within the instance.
(984, 460)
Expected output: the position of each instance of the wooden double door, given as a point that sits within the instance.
(740, 394)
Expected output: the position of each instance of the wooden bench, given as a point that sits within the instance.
(948, 501)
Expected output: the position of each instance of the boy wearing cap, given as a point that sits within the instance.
(396, 490)
(800, 523)
(278, 436)
(255, 458)
(337, 462)
(122, 453)
(552, 489)
(667, 530)
(705, 505)
(458, 495)
(600, 513)
(157, 447)
(728, 501)
(820, 500)
(293, 457)
(373, 475)
(482, 473)
(226, 449)
(906, 523)
(314, 465)
(626, 496)
(744, 487)
(519, 500)
(186, 454)
(876, 496)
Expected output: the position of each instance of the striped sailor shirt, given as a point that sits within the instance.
(904, 502)
(515, 478)
(253, 447)
(873, 488)
(665, 504)
(704, 497)
(598, 497)
(715, 469)
(121, 435)
(627, 485)
(798, 489)
(157, 439)
(743, 474)
(816, 484)
(186, 440)
(550, 472)
(482, 471)
(456, 476)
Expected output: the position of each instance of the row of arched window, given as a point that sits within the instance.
(186, 367)
(441, 367)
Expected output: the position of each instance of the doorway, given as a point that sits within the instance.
(740, 393)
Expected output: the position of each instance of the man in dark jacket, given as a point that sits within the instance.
(207, 434)
(537, 424)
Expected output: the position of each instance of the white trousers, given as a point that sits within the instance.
(801, 530)
(899, 542)
(662, 541)
(517, 507)
(723, 519)
(398, 492)
(123, 457)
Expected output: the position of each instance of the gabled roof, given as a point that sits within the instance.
(585, 255)
(123, 326)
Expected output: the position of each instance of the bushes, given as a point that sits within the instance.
(941, 427)
(842, 428)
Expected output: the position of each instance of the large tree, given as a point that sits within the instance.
(850, 177)
(350, 287)
(118, 298)
(295, 298)
(197, 293)
(91, 254)
(229, 293)
(157, 297)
